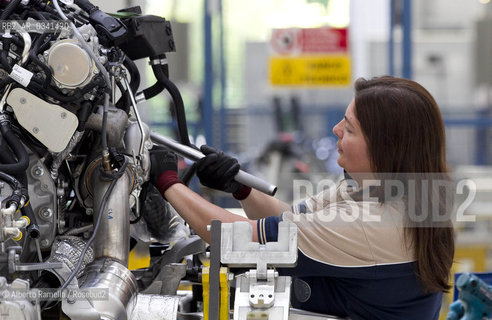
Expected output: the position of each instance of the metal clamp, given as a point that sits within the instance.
(158, 62)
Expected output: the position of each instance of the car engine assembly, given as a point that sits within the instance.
(74, 164)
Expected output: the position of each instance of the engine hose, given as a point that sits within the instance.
(6, 41)
(178, 102)
(10, 9)
(36, 14)
(5, 63)
(83, 114)
(19, 150)
(157, 87)
(134, 74)
(34, 58)
(13, 182)
(5, 82)
(152, 91)
(37, 87)
(124, 102)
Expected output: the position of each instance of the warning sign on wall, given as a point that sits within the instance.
(330, 70)
(310, 57)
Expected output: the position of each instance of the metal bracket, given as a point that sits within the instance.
(238, 249)
(260, 293)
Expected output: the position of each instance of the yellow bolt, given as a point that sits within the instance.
(18, 237)
(28, 220)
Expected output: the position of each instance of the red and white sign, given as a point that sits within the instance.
(297, 41)
(284, 41)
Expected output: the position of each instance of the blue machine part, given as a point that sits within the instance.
(475, 299)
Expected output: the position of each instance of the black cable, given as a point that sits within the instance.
(104, 135)
(10, 9)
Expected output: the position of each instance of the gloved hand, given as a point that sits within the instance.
(164, 168)
(217, 171)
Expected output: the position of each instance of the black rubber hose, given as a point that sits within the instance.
(157, 87)
(5, 154)
(178, 102)
(152, 91)
(33, 55)
(124, 102)
(6, 41)
(35, 86)
(19, 150)
(83, 114)
(134, 74)
(10, 9)
(36, 14)
(5, 63)
(13, 182)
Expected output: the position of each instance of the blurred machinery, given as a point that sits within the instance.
(475, 299)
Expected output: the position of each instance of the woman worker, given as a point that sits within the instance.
(361, 257)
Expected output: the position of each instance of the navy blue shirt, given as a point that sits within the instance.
(332, 284)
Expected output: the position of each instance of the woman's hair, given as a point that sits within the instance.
(405, 135)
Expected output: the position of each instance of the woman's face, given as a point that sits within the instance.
(352, 146)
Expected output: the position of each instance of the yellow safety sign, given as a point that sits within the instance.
(315, 70)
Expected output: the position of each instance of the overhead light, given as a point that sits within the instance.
(484, 1)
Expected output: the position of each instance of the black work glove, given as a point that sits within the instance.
(164, 168)
(217, 170)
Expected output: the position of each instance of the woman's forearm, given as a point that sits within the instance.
(199, 213)
(259, 205)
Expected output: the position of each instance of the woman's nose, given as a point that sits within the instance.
(337, 129)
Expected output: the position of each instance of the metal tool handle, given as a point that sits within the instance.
(194, 155)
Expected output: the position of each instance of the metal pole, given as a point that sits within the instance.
(407, 39)
(193, 154)
(207, 106)
(391, 43)
(223, 111)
